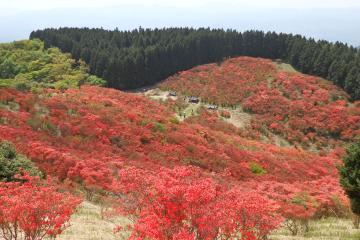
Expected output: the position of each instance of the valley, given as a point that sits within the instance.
(244, 148)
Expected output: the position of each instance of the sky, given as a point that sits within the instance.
(333, 20)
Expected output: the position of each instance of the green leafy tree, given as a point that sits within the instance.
(11, 163)
(8, 68)
(28, 65)
(350, 177)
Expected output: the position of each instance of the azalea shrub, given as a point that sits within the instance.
(182, 203)
(33, 209)
(304, 109)
(91, 135)
(225, 114)
(303, 201)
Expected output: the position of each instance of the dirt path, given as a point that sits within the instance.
(238, 118)
(192, 109)
(158, 94)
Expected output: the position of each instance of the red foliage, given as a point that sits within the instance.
(181, 202)
(303, 109)
(225, 114)
(33, 210)
(91, 151)
(88, 135)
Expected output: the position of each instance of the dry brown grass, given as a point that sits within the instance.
(87, 224)
(285, 67)
(325, 229)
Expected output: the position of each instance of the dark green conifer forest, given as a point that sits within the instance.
(133, 59)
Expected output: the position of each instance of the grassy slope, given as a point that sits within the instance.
(238, 117)
(325, 229)
(307, 111)
(87, 224)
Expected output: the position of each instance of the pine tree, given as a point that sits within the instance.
(350, 176)
(126, 58)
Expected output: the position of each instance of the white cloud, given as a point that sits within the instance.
(55, 4)
(303, 3)
(24, 5)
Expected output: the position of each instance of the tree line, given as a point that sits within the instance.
(141, 57)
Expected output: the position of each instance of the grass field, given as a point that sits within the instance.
(87, 224)
(325, 229)
(285, 67)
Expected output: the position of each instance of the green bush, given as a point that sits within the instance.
(174, 120)
(5, 83)
(301, 198)
(23, 86)
(256, 169)
(144, 122)
(61, 85)
(39, 123)
(159, 127)
(94, 80)
(11, 163)
(350, 176)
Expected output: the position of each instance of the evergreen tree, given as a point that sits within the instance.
(350, 176)
(12, 163)
(132, 59)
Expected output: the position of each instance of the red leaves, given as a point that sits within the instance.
(306, 109)
(101, 131)
(306, 200)
(33, 209)
(184, 202)
(94, 174)
(225, 114)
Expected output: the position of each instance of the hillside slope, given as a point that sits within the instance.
(303, 109)
(94, 138)
(90, 133)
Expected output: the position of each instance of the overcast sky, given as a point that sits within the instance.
(334, 20)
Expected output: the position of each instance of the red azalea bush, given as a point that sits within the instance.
(302, 108)
(33, 210)
(301, 201)
(225, 114)
(88, 135)
(130, 130)
(183, 202)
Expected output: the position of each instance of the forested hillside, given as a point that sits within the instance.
(258, 150)
(27, 65)
(132, 59)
